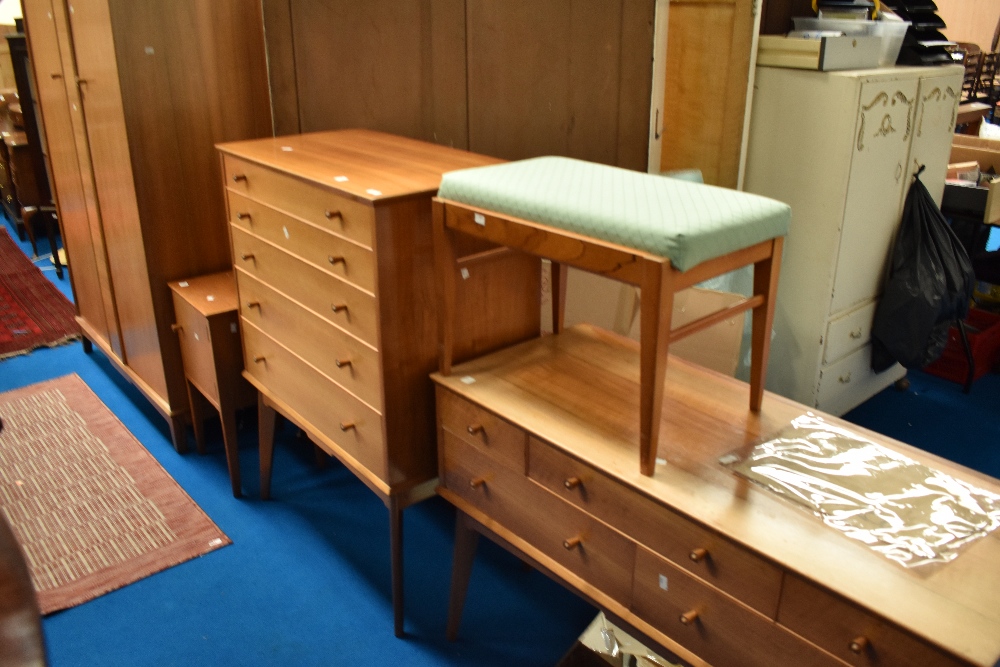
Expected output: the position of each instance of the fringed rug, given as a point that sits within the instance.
(92, 509)
(33, 312)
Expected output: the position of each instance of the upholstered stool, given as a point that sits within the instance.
(662, 235)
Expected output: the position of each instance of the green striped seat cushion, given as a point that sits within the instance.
(686, 222)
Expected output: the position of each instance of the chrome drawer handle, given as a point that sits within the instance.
(347, 426)
(246, 256)
(477, 482)
(337, 307)
(258, 359)
(239, 177)
(337, 260)
(698, 555)
(859, 644)
(572, 543)
(689, 617)
(572, 483)
(342, 362)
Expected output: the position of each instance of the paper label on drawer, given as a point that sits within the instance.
(663, 582)
(468, 379)
(182, 283)
(465, 273)
(479, 218)
(209, 298)
(373, 192)
(285, 231)
(341, 179)
(287, 149)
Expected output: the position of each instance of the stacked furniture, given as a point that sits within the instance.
(331, 239)
(841, 149)
(133, 97)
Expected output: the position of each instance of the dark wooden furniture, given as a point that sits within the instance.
(22, 643)
(133, 98)
(207, 326)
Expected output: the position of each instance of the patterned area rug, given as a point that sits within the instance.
(33, 312)
(92, 509)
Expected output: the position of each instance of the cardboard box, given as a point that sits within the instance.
(986, 152)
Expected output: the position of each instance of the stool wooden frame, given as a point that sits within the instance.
(654, 275)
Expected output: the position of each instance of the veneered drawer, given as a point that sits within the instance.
(702, 552)
(356, 428)
(328, 296)
(308, 201)
(341, 357)
(599, 555)
(196, 348)
(848, 332)
(711, 624)
(845, 383)
(350, 261)
(478, 427)
(850, 632)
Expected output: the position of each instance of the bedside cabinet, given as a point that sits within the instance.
(207, 325)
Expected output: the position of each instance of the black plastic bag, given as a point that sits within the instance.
(929, 287)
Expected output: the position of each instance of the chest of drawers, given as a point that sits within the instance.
(332, 249)
(537, 452)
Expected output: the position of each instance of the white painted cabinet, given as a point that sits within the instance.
(840, 148)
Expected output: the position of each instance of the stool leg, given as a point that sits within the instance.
(265, 425)
(466, 540)
(765, 283)
(560, 272)
(27, 219)
(657, 309)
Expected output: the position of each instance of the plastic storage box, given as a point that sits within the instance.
(983, 328)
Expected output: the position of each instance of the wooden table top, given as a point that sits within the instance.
(580, 392)
(363, 164)
(210, 294)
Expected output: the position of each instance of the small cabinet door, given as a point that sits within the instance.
(934, 126)
(881, 142)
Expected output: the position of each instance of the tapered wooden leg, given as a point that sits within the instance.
(230, 436)
(765, 283)
(178, 435)
(197, 403)
(466, 540)
(657, 307)
(396, 555)
(560, 273)
(444, 261)
(28, 218)
(88, 345)
(265, 427)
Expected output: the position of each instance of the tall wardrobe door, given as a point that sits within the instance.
(112, 167)
(934, 117)
(81, 227)
(882, 135)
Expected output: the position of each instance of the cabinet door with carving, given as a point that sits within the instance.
(934, 126)
(882, 134)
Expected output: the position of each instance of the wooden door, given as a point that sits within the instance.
(881, 142)
(100, 93)
(705, 98)
(934, 128)
(45, 24)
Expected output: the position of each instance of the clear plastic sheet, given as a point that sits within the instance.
(908, 512)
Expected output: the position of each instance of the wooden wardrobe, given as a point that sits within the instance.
(134, 94)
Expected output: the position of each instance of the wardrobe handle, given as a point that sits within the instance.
(689, 617)
(342, 362)
(330, 215)
(242, 216)
(477, 482)
(698, 555)
(56, 75)
(475, 429)
(347, 426)
(253, 304)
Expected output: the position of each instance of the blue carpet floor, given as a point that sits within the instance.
(306, 581)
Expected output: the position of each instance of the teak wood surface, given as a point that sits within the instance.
(578, 392)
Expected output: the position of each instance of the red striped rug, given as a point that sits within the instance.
(92, 510)
(33, 312)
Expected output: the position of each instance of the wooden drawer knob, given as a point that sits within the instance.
(247, 255)
(475, 429)
(347, 426)
(572, 482)
(239, 177)
(342, 362)
(258, 359)
(253, 304)
(176, 328)
(698, 555)
(337, 307)
(689, 617)
(242, 216)
(572, 543)
(477, 482)
(859, 644)
(330, 215)
(336, 260)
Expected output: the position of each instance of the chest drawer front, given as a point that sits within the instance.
(850, 632)
(356, 428)
(482, 429)
(341, 357)
(308, 201)
(711, 624)
(702, 552)
(848, 333)
(196, 348)
(576, 541)
(343, 258)
(329, 297)
(842, 382)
